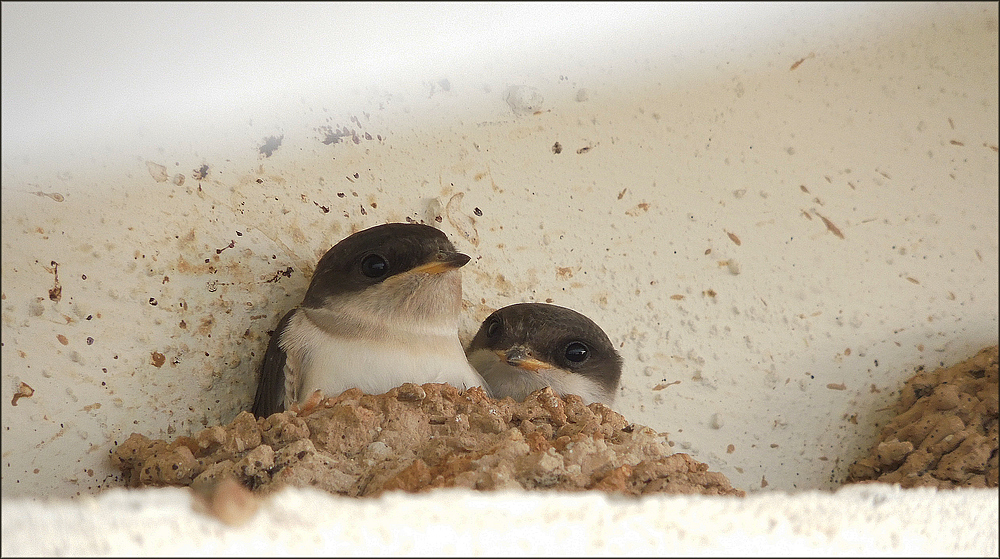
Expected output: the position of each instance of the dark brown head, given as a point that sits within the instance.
(378, 254)
(530, 345)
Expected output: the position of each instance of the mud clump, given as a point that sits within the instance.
(419, 437)
(945, 433)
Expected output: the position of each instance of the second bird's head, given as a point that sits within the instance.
(523, 347)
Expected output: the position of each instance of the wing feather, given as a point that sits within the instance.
(271, 389)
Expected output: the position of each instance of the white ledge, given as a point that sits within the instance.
(864, 519)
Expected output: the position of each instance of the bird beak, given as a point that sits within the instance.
(520, 356)
(443, 262)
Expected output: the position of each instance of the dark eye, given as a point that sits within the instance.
(494, 328)
(374, 266)
(576, 352)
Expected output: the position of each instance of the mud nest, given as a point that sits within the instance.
(416, 438)
(945, 433)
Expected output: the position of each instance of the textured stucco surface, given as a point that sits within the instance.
(860, 520)
(777, 218)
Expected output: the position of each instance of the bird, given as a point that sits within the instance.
(523, 347)
(382, 309)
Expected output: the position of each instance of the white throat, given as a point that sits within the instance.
(395, 332)
(506, 380)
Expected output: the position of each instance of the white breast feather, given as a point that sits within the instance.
(335, 363)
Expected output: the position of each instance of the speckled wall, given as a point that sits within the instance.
(777, 212)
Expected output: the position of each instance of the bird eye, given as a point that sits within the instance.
(577, 352)
(493, 330)
(374, 266)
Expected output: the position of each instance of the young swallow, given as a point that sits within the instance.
(521, 348)
(381, 310)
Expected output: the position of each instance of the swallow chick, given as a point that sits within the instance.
(381, 310)
(521, 348)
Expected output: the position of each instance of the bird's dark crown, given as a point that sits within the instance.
(549, 332)
(372, 255)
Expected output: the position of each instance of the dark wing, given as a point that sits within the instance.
(270, 396)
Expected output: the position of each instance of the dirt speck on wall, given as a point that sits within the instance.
(416, 438)
(945, 433)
